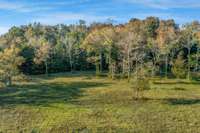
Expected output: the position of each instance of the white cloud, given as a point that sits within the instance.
(57, 18)
(166, 4)
(3, 30)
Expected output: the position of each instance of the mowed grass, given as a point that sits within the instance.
(83, 103)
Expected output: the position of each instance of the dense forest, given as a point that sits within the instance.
(156, 47)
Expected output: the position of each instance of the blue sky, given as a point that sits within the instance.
(21, 12)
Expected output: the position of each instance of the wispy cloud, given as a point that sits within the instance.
(26, 7)
(10, 5)
(57, 18)
(20, 7)
(51, 12)
(166, 4)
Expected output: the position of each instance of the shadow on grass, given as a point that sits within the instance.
(64, 75)
(176, 82)
(171, 101)
(44, 94)
(179, 89)
(176, 101)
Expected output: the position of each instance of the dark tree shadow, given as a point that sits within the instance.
(64, 75)
(179, 89)
(174, 101)
(171, 101)
(44, 94)
(177, 82)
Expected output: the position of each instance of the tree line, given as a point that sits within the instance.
(158, 47)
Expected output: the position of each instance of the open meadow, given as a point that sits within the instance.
(84, 103)
(99, 66)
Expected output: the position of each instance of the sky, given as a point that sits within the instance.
(51, 12)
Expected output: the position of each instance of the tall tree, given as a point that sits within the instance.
(10, 61)
(187, 40)
(43, 55)
(94, 44)
(166, 35)
(133, 43)
(109, 37)
(178, 68)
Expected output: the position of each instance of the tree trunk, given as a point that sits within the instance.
(155, 60)
(153, 68)
(110, 64)
(136, 67)
(197, 60)
(129, 67)
(166, 66)
(101, 62)
(124, 67)
(113, 70)
(46, 68)
(71, 63)
(97, 68)
(188, 71)
(8, 81)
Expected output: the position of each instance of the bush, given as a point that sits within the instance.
(2, 85)
(21, 77)
(140, 84)
(179, 69)
(196, 75)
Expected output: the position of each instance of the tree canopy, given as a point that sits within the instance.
(116, 48)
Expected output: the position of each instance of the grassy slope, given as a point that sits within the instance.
(88, 104)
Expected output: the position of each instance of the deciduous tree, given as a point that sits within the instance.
(10, 61)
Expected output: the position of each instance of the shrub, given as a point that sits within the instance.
(140, 83)
(2, 85)
(196, 75)
(179, 69)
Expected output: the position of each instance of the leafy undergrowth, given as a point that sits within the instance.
(83, 103)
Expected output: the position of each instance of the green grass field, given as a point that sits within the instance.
(65, 103)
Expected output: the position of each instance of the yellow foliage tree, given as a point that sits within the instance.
(10, 60)
(43, 55)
